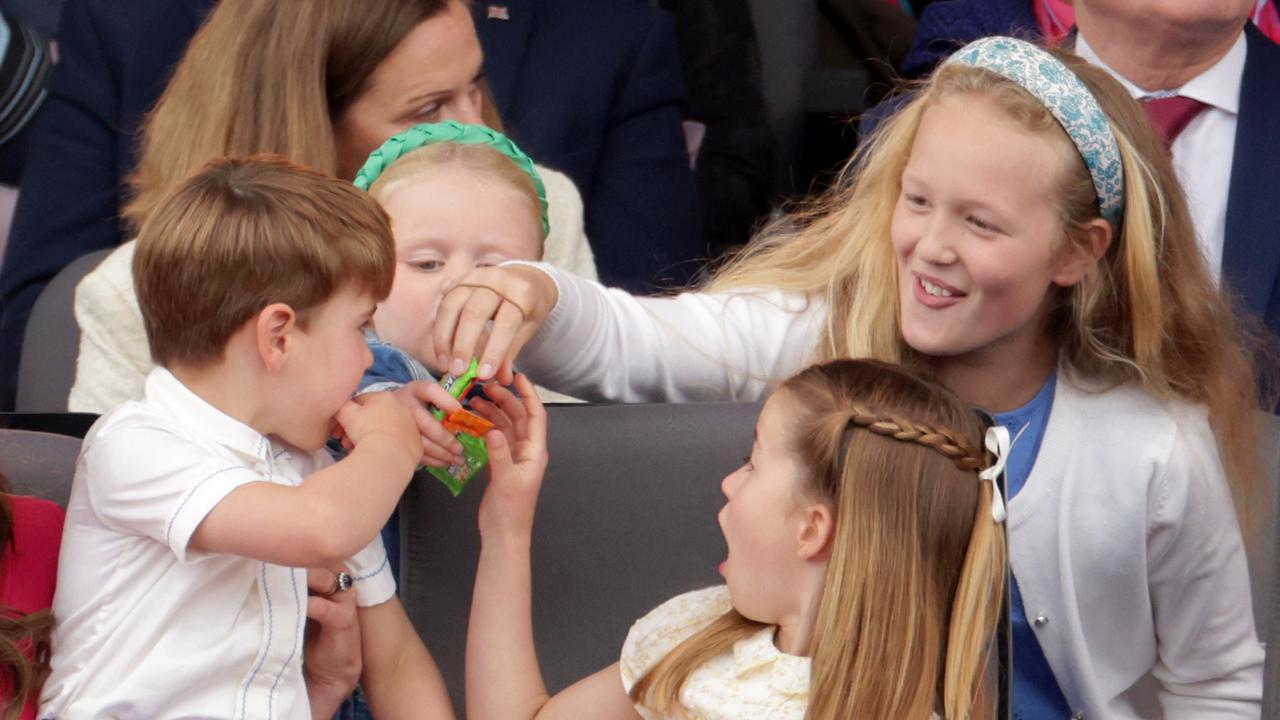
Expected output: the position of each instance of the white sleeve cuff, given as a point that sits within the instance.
(370, 569)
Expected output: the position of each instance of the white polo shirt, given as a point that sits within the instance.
(148, 627)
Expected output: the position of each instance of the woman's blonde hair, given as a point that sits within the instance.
(266, 76)
(917, 564)
(1150, 313)
(481, 160)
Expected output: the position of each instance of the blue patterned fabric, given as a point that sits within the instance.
(1036, 695)
(1064, 95)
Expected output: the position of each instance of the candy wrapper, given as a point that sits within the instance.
(469, 429)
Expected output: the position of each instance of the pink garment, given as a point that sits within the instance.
(29, 568)
(1267, 18)
(1056, 18)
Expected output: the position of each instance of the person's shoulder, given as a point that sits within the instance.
(1167, 425)
(668, 625)
(114, 273)
(35, 512)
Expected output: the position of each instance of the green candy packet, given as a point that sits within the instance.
(474, 452)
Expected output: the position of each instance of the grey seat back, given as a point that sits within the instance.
(39, 463)
(51, 342)
(626, 520)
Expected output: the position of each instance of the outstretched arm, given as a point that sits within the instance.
(400, 678)
(504, 680)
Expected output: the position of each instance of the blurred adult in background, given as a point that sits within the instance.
(590, 88)
(593, 89)
(731, 145)
(26, 59)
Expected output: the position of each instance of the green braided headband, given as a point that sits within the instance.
(450, 131)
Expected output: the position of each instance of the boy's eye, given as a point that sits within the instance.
(427, 265)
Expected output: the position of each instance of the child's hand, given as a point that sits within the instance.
(517, 460)
(439, 446)
(380, 414)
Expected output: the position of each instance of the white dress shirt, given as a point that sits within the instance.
(1203, 153)
(149, 627)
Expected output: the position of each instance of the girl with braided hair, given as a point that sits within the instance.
(1017, 230)
(863, 578)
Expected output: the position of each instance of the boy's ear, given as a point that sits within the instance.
(273, 334)
(816, 530)
(1079, 259)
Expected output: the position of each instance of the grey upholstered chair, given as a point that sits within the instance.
(47, 367)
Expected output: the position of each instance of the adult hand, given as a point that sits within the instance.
(517, 299)
(517, 460)
(331, 650)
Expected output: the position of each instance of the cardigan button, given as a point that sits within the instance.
(1078, 716)
(1041, 620)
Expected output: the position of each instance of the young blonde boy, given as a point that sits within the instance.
(181, 591)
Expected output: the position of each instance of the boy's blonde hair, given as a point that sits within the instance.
(917, 564)
(245, 233)
(481, 160)
(266, 76)
(1150, 314)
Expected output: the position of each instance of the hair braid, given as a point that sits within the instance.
(944, 441)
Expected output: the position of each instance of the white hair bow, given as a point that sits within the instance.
(998, 444)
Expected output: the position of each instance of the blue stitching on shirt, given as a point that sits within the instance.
(271, 697)
(377, 570)
(266, 590)
(190, 494)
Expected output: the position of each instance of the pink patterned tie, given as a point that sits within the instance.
(1170, 116)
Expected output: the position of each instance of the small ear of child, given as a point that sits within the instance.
(517, 459)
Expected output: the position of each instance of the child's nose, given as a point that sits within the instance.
(729, 482)
(935, 245)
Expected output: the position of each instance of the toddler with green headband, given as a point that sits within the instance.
(459, 197)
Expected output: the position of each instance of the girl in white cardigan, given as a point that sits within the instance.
(1017, 230)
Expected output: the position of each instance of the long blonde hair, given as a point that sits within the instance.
(917, 565)
(1150, 313)
(266, 76)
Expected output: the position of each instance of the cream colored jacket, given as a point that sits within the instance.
(114, 358)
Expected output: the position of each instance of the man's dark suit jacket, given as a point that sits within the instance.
(587, 87)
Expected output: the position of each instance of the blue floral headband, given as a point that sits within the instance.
(1064, 95)
(450, 131)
